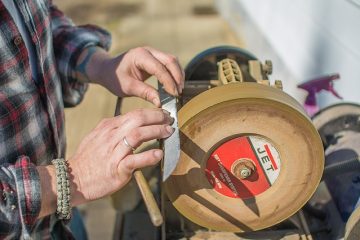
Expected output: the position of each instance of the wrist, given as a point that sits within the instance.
(48, 183)
(48, 190)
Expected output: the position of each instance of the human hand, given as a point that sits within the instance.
(103, 163)
(125, 74)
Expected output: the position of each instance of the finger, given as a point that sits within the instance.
(139, 160)
(143, 117)
(172, 64)
(137, 136)
(148, 63)
(147, 92)
(138, 118)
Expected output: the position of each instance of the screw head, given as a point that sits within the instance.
(242, 168)
(245, 172)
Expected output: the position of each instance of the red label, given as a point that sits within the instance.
(263, 155)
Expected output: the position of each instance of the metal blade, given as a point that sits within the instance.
(171, 145)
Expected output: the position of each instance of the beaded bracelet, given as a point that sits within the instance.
(63, 210)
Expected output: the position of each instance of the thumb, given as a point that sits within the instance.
(140, 160)
(145, 91)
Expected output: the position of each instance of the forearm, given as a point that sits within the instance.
(94, 65)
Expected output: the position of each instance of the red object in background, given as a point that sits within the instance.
(218, 167)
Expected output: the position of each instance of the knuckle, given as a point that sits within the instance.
(129, 115)
(172, 59)
(138, 112)
(134, 116)
(136, 134)
(125, 120)
(105, 122)
(139, 50)
(119, 118)
(161, 71)
(140, 115)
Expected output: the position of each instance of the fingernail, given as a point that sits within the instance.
(158, 154)
(156, 101)
(166, 112)
(169, 129)
(180, 90)
(176, 92)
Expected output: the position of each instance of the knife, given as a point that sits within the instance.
(171, 145)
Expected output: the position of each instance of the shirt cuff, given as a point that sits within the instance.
(28, 192)
(68, 45)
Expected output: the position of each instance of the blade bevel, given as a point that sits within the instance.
(171, 145)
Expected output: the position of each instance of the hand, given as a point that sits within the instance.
(103, 163)
(125, 74)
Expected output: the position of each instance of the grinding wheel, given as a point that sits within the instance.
(237, 127)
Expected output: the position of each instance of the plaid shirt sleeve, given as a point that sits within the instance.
(20, 198)
(69, 41)
(32, 131)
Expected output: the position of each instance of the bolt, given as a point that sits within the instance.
(242, 168)
(245, 172)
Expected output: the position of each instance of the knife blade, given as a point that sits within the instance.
(171, 145)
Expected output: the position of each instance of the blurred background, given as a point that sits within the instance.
(303, 38)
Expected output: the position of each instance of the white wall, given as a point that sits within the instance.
(305, 38)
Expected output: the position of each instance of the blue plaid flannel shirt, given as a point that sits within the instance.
(32, 112)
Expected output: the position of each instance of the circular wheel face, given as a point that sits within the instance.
(225, 164)
(250, 158)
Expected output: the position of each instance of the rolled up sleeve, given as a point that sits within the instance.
(20, 198)
(69, 41)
